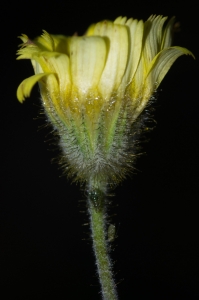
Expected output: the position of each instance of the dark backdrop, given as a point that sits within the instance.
(44, 249)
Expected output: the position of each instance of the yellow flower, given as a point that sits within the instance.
(95, 86)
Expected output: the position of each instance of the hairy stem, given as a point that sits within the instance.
(97, 212)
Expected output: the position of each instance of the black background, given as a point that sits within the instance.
(44, 249)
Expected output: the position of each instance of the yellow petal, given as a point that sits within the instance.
(116, 37)
(135, 46)
(24, 38)
(26, 86)
(27, 51)
(52, 62)
(90, 30)
(163, 61)
(167, 35)
(129, 22)
(120, 20)
(152, 38)
(36, 66)
(45, 41)
(62, 43)
(87, 55)
(136, 87)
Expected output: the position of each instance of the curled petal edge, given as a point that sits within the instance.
(164, 60)
(25, 88)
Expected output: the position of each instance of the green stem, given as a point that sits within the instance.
(97, 212)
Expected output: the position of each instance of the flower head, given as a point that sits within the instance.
(95, 86)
